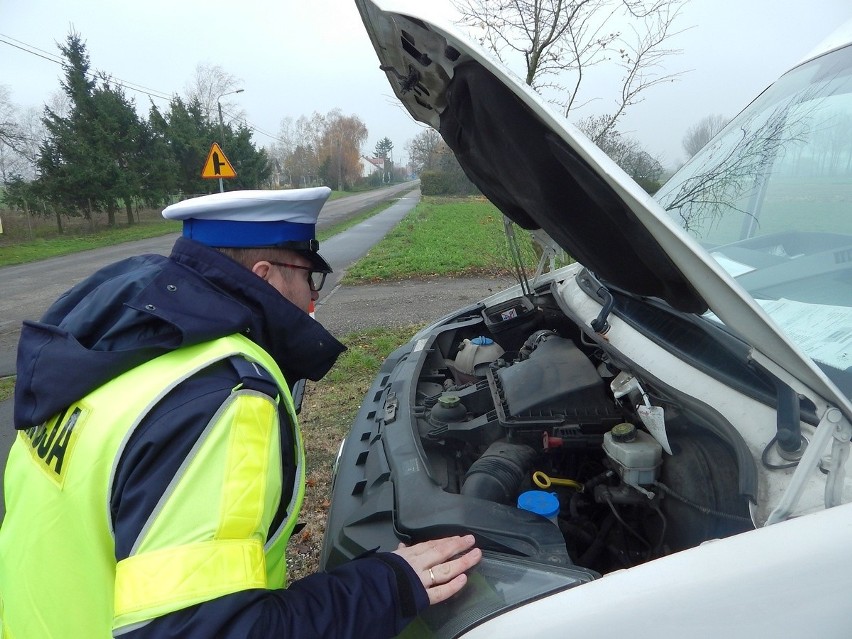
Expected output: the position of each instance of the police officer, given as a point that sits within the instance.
(158, 469)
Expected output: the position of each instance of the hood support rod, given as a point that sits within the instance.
(515, 251)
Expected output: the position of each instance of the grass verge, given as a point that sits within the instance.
(441, 237)
(7, 387)
(43, 248)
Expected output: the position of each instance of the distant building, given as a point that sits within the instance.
(369, 166)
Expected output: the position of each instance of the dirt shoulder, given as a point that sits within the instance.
(392, 304)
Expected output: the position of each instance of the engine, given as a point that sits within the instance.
(538, 418)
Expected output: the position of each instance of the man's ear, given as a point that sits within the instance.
(261, 269)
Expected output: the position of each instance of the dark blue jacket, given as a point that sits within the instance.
(136, 309)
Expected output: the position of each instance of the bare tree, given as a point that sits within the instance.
(561, 41)
(209, 84)
(295, 154)
(20, 136)
(701, 133)
(11, 135)
(422, 150)
(279, 151)
(625, 151)
(340, 148)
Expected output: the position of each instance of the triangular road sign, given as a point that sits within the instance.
(217, 165)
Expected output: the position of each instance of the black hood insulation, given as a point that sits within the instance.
(536, 179)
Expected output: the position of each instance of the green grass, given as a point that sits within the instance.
(441, 237)
(7, 387)
(41, 249)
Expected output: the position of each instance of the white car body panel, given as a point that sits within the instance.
(772, 582)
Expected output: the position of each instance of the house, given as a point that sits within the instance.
(371, 165)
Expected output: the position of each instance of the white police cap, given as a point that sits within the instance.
(257, 218)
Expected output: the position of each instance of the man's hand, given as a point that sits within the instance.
(441, 565)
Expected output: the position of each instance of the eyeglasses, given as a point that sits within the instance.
(316, 279)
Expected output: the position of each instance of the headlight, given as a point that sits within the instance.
(496, 584)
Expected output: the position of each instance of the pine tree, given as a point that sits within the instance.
(90, 156)
(384, 148)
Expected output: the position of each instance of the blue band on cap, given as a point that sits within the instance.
(232, 234)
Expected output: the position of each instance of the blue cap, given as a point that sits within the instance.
(539, 502)
(250, 219)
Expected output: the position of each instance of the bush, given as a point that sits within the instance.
(651, 186)
(446, 183)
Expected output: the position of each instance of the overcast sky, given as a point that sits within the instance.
(295, 57)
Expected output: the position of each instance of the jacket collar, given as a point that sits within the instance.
(300, 345)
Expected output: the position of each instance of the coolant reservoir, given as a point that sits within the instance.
(637, 454)
(476, 351)
(449, 408)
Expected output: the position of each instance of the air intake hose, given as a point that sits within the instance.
(497, 475)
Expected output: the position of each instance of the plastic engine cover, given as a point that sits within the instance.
(557, 377)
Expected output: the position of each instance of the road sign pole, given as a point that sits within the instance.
(222, 136)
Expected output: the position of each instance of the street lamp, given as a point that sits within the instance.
(222, 127)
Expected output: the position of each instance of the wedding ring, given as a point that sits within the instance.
(432, 577)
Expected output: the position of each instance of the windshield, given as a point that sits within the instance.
(771, 199)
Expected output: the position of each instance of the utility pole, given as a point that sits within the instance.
(222, 128)
(339, 163)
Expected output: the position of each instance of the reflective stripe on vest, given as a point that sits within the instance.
(57, 562)
(231, 466)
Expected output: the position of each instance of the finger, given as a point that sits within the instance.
(444, 573)
(429, 553)
(426, 554)
(443, 592)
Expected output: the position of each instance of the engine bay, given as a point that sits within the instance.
(521, 411)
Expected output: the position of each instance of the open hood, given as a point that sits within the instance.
(542, 172)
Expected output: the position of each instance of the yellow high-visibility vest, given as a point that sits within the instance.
(209, 535)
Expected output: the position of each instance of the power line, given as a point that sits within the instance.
(50, 57)
(233, 116)
(132, 86)
(23, 46)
